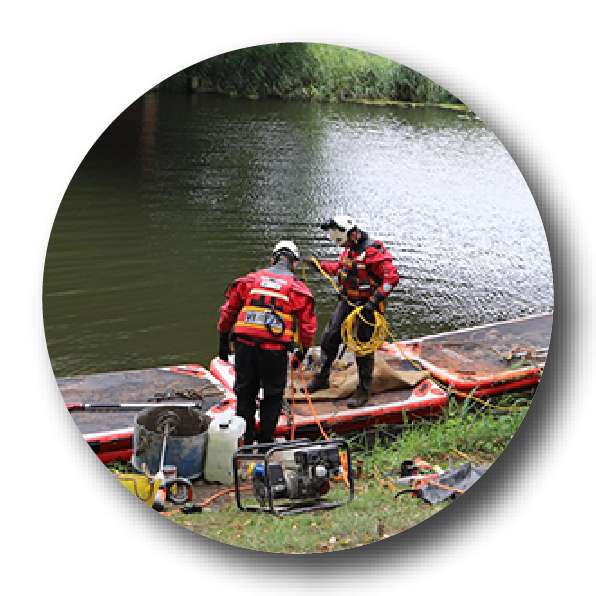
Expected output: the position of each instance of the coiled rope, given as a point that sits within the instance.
(349, 334)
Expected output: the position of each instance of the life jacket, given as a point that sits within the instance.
(355, 280)
(266, 316)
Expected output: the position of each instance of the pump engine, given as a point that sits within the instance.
(301, 471)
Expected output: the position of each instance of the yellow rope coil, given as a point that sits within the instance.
(350, 337)
(348, 329)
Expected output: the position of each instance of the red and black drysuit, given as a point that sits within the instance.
(262, 341)
(366, 276)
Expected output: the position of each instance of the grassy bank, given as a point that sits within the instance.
(375, 513)
(312, 71)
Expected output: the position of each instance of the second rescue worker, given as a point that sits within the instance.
(268, 307)
(366, 277)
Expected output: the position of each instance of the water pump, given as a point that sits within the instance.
(300, 472)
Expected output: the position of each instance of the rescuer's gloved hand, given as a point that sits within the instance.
(310, 260)
(298, 357)
(224, 346)
(372, 304)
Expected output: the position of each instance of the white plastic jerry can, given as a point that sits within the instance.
(222, 441)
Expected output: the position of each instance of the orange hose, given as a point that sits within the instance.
(344, 459)
(292, 385)
(423, 482)
(455, 490)
(220, 493)
(211, 498)
(312, 408)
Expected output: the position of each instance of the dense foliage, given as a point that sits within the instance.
(311, 71)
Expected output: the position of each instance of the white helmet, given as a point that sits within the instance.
(286, 246)
(339, 227)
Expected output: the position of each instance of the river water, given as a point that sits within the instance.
(183, 193)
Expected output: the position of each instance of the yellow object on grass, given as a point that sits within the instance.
(139, 485)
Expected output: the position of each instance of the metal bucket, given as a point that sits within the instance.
(186, 439)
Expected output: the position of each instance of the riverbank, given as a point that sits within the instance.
(382, 103)
(462, 436)
(314, 72)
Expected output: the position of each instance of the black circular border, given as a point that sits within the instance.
(489, 512)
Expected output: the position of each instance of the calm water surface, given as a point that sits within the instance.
(183, 193)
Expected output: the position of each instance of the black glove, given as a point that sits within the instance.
(372, 304)
(224, 346)
(310, 260)
(298, 357)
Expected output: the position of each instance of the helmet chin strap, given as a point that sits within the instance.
(352, 243)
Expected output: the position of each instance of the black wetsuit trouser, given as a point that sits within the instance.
(255, 366)
(331, 340)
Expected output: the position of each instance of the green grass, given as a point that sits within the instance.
(372, 516)
(375, 513)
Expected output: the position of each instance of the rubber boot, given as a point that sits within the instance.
(366, 366)
(360, 397)
(320, 380)
(249, 435)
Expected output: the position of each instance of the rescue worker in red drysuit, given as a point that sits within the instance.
(265, 308)
(366, 277)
